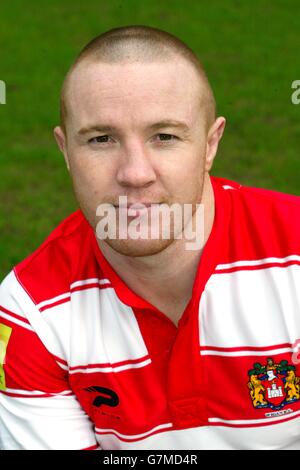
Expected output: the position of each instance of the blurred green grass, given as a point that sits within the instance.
(250, 52)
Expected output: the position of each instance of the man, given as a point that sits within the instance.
(138, 342)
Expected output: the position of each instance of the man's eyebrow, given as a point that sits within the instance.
(97, 128)
(170, 123)
(157, 125)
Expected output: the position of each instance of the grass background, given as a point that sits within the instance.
(249, 49)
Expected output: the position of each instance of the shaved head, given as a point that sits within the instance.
(140, 44)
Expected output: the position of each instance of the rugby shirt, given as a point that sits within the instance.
(86, 363)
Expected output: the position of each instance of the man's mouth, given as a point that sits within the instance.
(136, 209)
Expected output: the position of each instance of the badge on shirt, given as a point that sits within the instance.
(273, 385)
(5, 332)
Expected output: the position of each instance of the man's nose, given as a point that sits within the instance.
(135, 167)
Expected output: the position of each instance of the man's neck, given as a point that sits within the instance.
(165, 279)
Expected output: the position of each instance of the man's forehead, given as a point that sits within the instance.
(144, 115)
(115, 81)
(102, 88)
(182, 126)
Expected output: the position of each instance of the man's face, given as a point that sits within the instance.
(128, 153)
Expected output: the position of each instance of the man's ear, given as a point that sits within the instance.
(213, 138)
(60, 138)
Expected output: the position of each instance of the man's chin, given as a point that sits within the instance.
(139, 247)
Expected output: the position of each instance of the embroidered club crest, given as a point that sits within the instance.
(273, 385)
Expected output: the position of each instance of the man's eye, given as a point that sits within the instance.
(100, 139)
(166, 137)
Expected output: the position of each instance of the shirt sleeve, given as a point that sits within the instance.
(38, 409)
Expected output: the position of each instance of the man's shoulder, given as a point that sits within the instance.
(264, 219)
(49, 270)
(60, 241)
(260, 199)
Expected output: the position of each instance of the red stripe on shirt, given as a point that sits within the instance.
(258, 266)
(247, 348)
(116, 364)
(14, 315)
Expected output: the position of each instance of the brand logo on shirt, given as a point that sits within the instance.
(104, 396)
(273, 385)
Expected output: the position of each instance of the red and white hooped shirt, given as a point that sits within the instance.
(86, 363)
